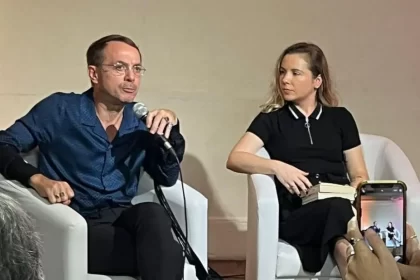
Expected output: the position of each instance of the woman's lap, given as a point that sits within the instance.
(314, 228)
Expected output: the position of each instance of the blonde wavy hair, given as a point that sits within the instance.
(317, 65)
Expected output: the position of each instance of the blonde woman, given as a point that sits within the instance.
(309, 139)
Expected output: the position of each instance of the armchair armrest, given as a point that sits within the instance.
(196, 205)
(263, 226)
(398, 166)
(63, 232)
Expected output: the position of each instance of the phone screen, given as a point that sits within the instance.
(383, 209)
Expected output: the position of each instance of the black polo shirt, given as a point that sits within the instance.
(314, 144)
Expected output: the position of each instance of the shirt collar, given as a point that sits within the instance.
(87, 108)
(297, 114)
(88, 113)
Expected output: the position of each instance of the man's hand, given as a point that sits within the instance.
(364, 264)
(161, 121)
(412, 245)
(55, 191)
(411, 270)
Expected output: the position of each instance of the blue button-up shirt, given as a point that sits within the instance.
(74, 147)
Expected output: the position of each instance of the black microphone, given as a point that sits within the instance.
(141, 111)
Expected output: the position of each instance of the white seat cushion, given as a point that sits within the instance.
(289, 265)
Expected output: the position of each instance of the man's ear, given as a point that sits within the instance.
(93, 74)
(318, 82)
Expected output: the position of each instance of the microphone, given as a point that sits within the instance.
(141, 112)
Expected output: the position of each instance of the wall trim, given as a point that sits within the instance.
(227, 238)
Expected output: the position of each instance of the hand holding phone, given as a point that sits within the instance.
(381, 206)
(365, 264)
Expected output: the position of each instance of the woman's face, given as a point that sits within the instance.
(297, 83)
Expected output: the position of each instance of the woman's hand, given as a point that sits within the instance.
(413, 246)
(411, 270)
(364, 264)
(294, 180)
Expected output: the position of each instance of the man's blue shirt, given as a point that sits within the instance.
(74, 148)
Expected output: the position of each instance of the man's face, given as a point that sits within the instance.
(118, 77)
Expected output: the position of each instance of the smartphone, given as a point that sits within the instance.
(382, 206)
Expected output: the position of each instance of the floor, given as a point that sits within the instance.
(229, 270)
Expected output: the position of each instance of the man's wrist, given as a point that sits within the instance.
(36, 180)
(20, 170)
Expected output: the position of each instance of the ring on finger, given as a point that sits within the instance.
(166, 119)
(62, 194)
(353, 241)
(57, 196)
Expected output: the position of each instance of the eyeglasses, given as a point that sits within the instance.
(120, 68)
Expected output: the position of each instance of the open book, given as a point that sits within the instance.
(327, 190)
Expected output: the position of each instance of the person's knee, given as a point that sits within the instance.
(340, 204)
(342, 210)
(153, 216)
(151, 210)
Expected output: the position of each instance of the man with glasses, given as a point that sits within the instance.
(92, 148)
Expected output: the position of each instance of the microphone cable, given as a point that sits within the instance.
(201, 272)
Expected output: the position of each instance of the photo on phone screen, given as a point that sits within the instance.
(383, 209)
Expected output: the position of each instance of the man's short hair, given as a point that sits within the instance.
(20, 244)
(95, 52)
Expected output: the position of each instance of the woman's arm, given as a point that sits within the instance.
(356, 166)
(242, 158)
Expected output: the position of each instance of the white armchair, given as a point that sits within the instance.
(64, 231)
(269, 258)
